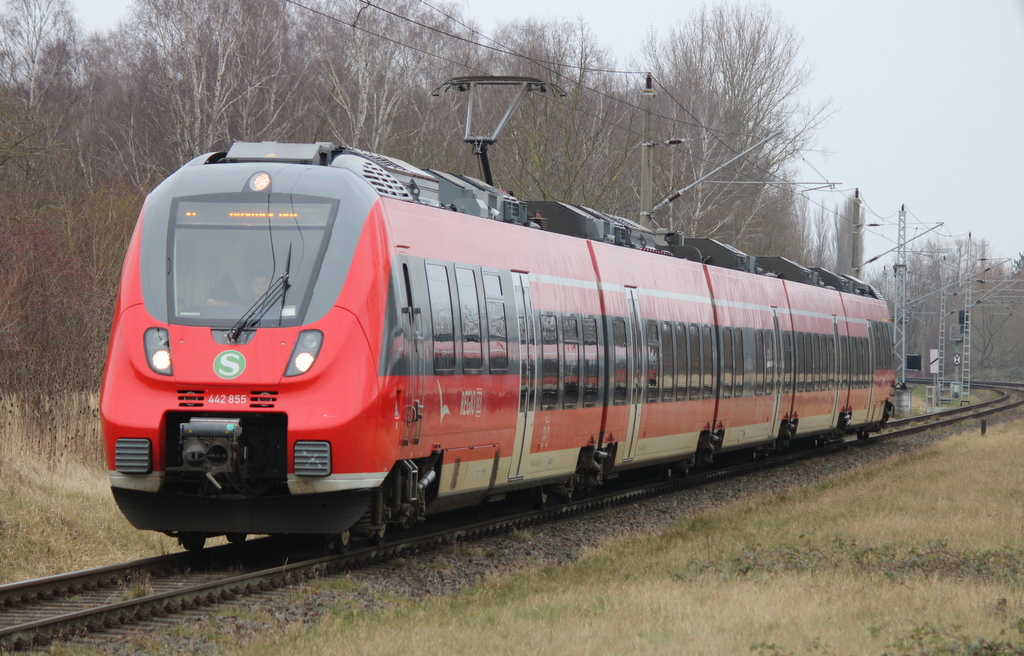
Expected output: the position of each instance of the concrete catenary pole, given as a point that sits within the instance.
(857, 257)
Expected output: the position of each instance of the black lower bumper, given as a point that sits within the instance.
(330, 512)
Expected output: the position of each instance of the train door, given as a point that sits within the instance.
(635, 351)
(527, 373)
(872, 357)
(412, 326)
(775, 370)
(834, 372)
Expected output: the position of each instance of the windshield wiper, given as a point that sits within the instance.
(254, 314)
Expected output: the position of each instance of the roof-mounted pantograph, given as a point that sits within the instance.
(471, 84)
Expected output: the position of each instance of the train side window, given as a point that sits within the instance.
(492, 285)
(741, 364)
(571, 358)
(682, 360)
(827, 347)
(809, 362)
(771, 376)
(549, 361)
(862, 361)
(819, 364)
(824, 363)
(759, 362)
(890, 346)
(851, 361)
(441, 318)
(708, 387)
(864, 366)
(787, 361)
(591, 366)
(695, 360)
(855, 360)
(469, 305)
(653, 362)
(883, 347)
(815, 357)
(621, 381)
(883, 360)
(832, 362)
(497, 330)
(497, 336)
(844, 361)
(887, 347)
(668, 361)
(873, 346)
(867, 362)
(801, 361)
(805, 361)
(865, 357)
(727, 363)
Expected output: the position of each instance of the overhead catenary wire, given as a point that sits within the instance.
(355, 25)
(502, 49)
(510, 51)
(505, 50)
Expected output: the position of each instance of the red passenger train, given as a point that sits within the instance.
(312, 339)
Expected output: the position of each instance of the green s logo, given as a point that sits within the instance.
(229, 364)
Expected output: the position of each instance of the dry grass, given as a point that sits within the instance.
(53, 431)
(917, 398)
(56, 510)
(894, 558)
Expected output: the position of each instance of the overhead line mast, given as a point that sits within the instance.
(647, 157)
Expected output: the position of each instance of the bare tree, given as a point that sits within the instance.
(39, 38)
(369, 84)
(577, 148)
(730, 76)
(843, 222)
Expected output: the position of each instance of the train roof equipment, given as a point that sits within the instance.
(787, 269)
(471, 83)
(395, 178)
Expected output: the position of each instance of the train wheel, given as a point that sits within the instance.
(192, 541)
(338, 543)
(378, 536)
(237, 538)
(541, 498)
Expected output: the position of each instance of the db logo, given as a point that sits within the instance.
(229, 364)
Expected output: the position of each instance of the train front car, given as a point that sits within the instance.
(241, 394)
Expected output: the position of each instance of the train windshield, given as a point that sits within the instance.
(226, 250)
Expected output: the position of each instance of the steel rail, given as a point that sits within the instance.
(104, 616)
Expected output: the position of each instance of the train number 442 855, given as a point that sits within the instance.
(230, 399)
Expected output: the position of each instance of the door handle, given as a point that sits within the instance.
(413, 413)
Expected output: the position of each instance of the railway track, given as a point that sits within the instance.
(39, 611)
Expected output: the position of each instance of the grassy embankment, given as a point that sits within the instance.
(56, 511)
(920, 554)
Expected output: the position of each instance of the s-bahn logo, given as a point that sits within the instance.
(229, 364)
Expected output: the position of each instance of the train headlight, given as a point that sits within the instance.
(158, 351)
(307, 347)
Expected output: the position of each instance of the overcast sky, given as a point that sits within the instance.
(929, 98)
